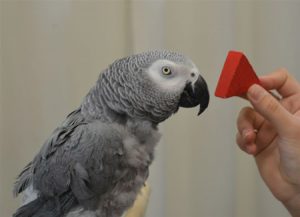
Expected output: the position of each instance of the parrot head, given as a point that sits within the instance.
(151, 85)
(181, 80)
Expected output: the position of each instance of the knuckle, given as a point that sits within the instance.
(246, 110)
(292, 104)
(246, 114)
(283, 71)
(271, 105)
(238, 139)
(294, 127)
(282, 74)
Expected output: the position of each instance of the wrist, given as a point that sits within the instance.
(293, 205)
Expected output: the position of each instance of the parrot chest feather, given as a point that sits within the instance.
(130, 173)
(139, 142)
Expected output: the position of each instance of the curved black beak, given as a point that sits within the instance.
(195, 94)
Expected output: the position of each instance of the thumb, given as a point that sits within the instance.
(269, 107)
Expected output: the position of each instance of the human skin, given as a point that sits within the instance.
(270, 131)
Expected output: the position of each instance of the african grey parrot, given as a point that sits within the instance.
(96, 161)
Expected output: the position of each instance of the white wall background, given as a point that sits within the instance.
(52, 51)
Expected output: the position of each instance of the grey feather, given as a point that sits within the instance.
(23, 180)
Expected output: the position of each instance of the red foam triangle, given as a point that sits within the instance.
(236, 77)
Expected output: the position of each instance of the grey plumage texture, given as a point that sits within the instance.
(96, 161)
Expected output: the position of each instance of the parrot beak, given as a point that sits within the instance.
(195, 94)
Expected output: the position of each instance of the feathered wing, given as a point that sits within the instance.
(23, 180)
(70, 171)
(58, 137)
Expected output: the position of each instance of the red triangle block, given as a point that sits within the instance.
(236, 77)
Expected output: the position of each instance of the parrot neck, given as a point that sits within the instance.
(95, 107)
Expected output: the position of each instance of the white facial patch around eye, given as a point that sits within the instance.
(168, 82)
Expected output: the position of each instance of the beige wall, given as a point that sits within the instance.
(52, 52)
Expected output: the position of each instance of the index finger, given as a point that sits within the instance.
(282, 81)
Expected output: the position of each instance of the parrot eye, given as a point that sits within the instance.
(166, 70)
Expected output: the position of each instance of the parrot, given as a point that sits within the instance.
(97, 160)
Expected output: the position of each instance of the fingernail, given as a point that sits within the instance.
(249, 149)
(246, 132)
(255, 92)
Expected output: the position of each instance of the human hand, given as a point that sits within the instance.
(270, 131)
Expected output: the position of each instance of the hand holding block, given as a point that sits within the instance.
(236, 77)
